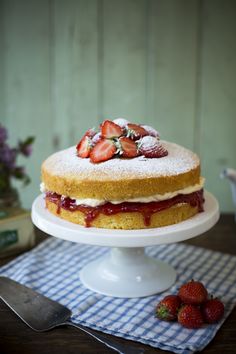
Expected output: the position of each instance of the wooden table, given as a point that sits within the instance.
(17, 338)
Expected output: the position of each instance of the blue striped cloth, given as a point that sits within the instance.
(52, 269)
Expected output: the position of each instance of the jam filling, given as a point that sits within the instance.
(195, 199)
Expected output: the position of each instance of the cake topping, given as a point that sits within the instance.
(128, 147)
(96, 138)
(135, 131)
(179, 160)
(110, 130)
(90, 133)
(151, 147)
(122, 122)
(151, 131)
(104, 150)
(122, 139)
(84, 146)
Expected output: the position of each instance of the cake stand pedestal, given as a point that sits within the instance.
(126, 271)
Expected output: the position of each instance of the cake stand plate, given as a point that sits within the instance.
(126, 271)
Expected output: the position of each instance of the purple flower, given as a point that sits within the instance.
(3, 134)
(7, 156)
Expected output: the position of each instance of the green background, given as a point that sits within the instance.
(67, 65)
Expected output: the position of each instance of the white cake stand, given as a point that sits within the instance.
(126, 271)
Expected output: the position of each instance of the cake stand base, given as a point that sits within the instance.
(128, 272)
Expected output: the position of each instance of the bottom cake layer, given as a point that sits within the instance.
(127, 216)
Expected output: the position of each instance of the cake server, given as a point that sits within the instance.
(42, 314)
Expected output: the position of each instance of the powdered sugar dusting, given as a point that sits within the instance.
(148, 142)
(122, 122)
(151, 131)
(67, 163)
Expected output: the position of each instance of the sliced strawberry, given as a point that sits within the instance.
(122, 122)
(150, 147)
(90, 133)
(96, 138)
(110, 130)
(135, 131)
(84, 147)
(102, 151)
(128, 147)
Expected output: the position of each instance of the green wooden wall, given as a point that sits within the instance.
(67, 65)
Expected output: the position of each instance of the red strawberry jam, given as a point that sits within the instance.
(195, 199)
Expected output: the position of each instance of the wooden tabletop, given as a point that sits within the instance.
(17, 338)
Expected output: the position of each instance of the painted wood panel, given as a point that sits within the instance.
(124, 59)
(172, 68)
(66, 65)
(218, 96)
(2, 65)
(75, 70)
(26, 86)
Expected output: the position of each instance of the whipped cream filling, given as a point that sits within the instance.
(152, 198)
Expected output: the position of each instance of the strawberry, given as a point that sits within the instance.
(96, 138)
(122, 122)
(151, 131)
(212, 310)
(190, 316)
(150, 147)
(110, 129)
(84, 147)
(193, 292)
(128, 147)
(90, 133)
(135, 131)
(102, 151)
(167, 309)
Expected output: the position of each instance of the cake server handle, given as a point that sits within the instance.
(111, 343)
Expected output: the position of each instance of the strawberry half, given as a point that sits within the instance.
(111, 130)
(102, 151)
(84, 147)
(158, 152)
(135, 131)
(122, 122)
(96, 138)
(150, 147)
(128, 147)
(90, 133)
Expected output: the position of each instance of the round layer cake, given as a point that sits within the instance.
(123, 192)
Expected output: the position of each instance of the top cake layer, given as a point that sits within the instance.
(119, 178)
(67, 163)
